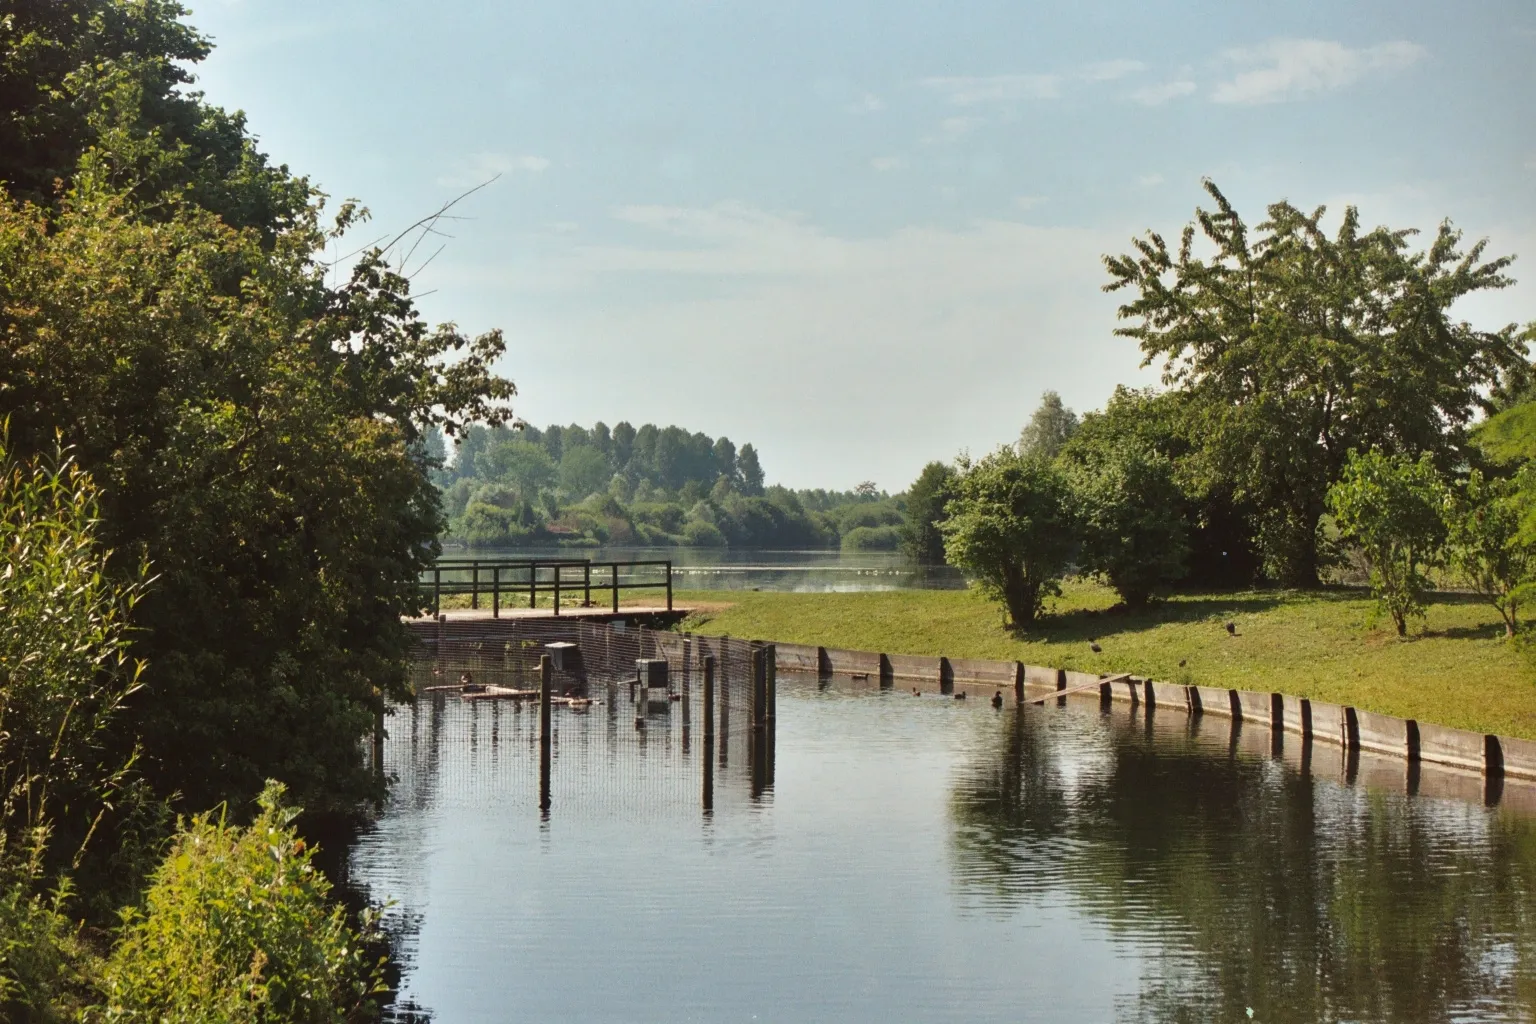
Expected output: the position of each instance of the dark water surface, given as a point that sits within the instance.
(927, 859)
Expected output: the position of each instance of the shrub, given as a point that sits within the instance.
(1489, 548)
(1392, 508)
(1010, 529)
(1130, 514)
(237, 927)
(872, 538)
(699, 534)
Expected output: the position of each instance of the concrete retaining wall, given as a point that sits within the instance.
(797, 657)
(1256, 707)
(913, 667)
(1034, 675)
(1519, 757)
(840, 662)
(978, 672)
(1385, 734)
(1456, 747)
(1213, 701)
(1345, 727)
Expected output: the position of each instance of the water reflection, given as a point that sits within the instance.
(1254, 884)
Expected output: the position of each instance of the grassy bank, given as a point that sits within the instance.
(1456, 670)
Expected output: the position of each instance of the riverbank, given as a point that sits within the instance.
(1456, 670)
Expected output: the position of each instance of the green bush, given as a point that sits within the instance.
(1130, 514)
(872, 538)
(699, 534)
(238, 926)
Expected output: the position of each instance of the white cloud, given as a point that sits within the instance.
(887, 163)
(970, 90)
(868, 103)
(1286, 69)
(1150, 180)
(483, 166)
(1109, 70)
(1156, 95)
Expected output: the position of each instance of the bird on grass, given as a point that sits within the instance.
(916, 692)
(1231, 629)
(960, 695)
(1093, 645)
(997, 699)
(1183, 662)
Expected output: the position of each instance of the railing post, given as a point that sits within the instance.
(669, 584)
(496, 592)
(613, 567)
(545, 693)
(533, 584)
(558, 567)
(474, 585)
(586, 585)
(437, 591)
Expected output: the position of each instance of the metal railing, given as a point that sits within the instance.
(511, 579)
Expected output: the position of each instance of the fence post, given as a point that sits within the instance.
(709, 732)
(669, 584)
(586, 585)
(437, 590)
(558, 567)
(613, 567)
(533, 584)
(759, 690)
(474, 585)
(544, 731)
(496, 592)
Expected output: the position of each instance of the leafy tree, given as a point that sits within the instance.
(525, 465)
(1049, 427)
(1129, 511)
(1488, 546)
(1217, 527)
(872, 538)
(1010, 528)
(238, 926)
(1393, 508)
(583, 471)
(926, 498)
(1296, 347)
(751, 471)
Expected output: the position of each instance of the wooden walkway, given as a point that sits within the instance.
(596, 613)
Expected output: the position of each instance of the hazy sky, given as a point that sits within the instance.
(864, 235)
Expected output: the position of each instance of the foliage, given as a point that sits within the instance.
(1488, 547)
(1295, 348)
(1050, 426)
(1010, 529)
(1393, 509)
(872, 538)
(583, 471)
(254, 432)
(1218, 528)
(926, 498)
(1130, 516)
(238, 926)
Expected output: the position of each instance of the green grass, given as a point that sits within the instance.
(1456, 669)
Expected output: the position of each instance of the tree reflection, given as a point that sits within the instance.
(1251, 884)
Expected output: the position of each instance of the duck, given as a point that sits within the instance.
(467, 684)
(916, 692)
(960, 695)
(1093, 645)
(997, 699)
(1231, 629)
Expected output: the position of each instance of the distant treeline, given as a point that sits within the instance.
(511, 487)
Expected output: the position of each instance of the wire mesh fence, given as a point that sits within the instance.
(631, 719)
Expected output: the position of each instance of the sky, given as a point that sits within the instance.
(865, 234)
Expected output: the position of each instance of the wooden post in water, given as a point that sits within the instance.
(709, 732)
(545, 737)
(378, 735)
(687, 686)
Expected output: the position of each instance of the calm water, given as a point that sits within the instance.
(727, 569)
(927, 859)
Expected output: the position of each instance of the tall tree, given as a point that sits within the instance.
(751, 471)
(1049, 427)
(926, 498)
(1296, 346)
